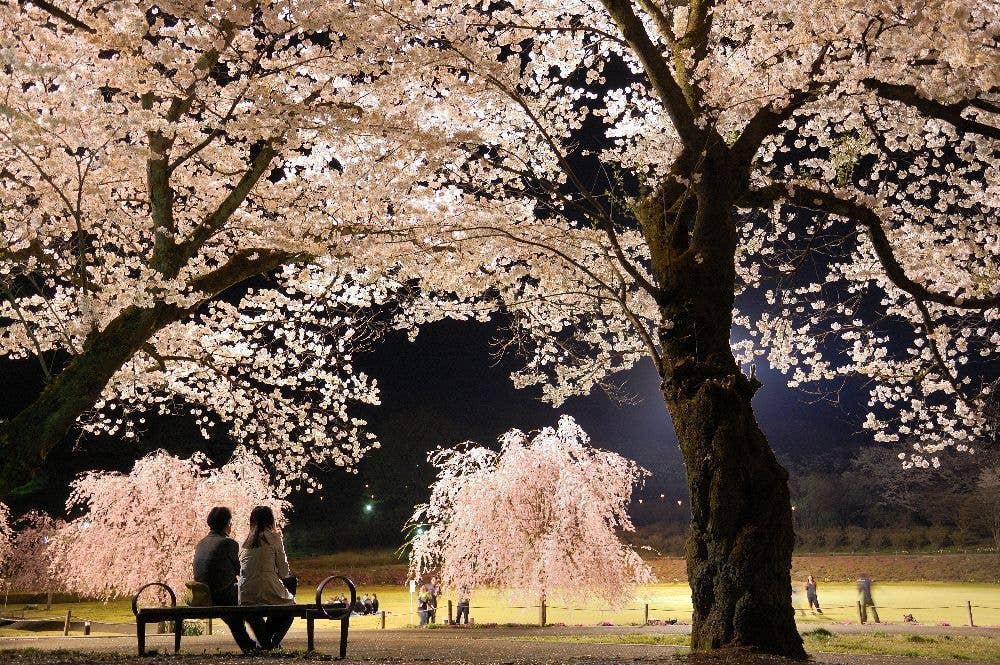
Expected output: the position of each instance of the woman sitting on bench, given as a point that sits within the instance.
(263, 569)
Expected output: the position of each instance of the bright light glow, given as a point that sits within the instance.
(369, 507)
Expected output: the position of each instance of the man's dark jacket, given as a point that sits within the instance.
(217, 564)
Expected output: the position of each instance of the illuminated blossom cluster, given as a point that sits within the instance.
(866, 224)
(29, 564)
(160, 156)
(540, 517)
(143, 526)
(276, 369)
(157, 158)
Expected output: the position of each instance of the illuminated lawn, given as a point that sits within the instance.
(962, 647)
(929, 602)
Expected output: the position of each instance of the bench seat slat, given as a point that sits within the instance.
(215, 611)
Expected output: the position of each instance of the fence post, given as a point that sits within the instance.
(381, 619)
(645, 614)
(541, 614)
(968, 608)
(69, 613)
(860, 615)
(209, 625)
(449, 612)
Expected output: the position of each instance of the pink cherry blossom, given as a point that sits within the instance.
(143, 526)
(540, 518)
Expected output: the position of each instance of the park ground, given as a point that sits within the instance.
(460, 646)
(582, 627)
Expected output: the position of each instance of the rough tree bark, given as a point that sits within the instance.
(740, 542)
(27, 438)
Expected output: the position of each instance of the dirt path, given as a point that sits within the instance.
(448, 647)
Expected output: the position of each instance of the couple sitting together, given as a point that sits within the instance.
(256, 574)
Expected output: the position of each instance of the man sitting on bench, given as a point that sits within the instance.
(217, 565)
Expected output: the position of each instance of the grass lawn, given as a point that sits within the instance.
(961, 647)
(929, 603)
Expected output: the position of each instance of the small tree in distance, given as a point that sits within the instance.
(540, 518)
(6, 537)
(29, 564)
(143, 526)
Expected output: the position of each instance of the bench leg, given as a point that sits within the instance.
(310, 633)
(344, 624)
(140, 636)
(178, 631)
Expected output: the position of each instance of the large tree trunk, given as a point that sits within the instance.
(27, 438)
(739, 547)
(740, 542)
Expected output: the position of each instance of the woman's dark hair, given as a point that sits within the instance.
(261, 520)
(219, 518)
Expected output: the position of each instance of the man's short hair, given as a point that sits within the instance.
(219, 518)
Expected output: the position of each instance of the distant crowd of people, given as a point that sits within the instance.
(367, 604)
(427, 603)
(427, 599)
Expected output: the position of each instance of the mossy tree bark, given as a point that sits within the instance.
(741, 536)
(28, 437)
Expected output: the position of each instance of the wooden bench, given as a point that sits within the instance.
(310, 612)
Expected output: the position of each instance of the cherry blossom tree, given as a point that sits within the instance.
(6, 539)
(190, 195)
(540, 518)
(143, 526)
(700, 183)
(29, 565)
(705, 183)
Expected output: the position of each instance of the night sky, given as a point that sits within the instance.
(444, 388)
(449, 369)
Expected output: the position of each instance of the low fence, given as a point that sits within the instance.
(968, 613)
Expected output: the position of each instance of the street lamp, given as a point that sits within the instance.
(369, 507)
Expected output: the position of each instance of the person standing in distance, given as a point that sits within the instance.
(811, 594)
(865, 596)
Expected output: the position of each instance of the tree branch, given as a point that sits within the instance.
(950, 113)
(929, 325)
(767, 120)
(241, 266)
(814, 199)
(237, 195)
(657, 70)
(60, 14)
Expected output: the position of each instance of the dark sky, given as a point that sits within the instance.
(444, 388)
(449, 368)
